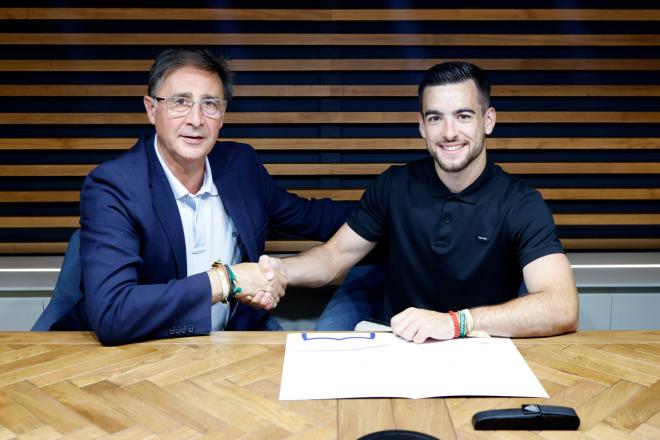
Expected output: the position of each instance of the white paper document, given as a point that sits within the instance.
(346, 365)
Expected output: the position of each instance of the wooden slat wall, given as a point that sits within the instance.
(326, 92)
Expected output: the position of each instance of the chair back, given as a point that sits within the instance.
(67, 288)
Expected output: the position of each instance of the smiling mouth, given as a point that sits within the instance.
(451, 148)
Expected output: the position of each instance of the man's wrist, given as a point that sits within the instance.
(456, 324)
(216, 287)
(233, 288)
(220, 282)
(462, 322)
(471, 331)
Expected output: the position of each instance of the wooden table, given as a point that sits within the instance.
(226, 385)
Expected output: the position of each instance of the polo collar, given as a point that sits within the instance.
(179, 190)
(470, 194)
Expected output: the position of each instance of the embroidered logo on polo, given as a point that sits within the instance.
(482, 238)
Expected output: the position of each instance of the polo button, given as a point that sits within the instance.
(446, 220)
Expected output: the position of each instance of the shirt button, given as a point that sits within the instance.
(446, 220)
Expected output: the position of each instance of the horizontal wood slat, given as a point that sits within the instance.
(547, 193)
(607, 219)
(40, 222)
(514, 168)
(600, 193)
(69, 143)
(299, 246)
(337, 169)
(568, 244)
(344, 144)
(33, 248)
(582, 168)
(39, 196)
(355, 194)
(45, 170)
(567, 14)
(650, 244)
(560, 219)
(331, 91)
(393, 64)
(542, 117)
(265, 39)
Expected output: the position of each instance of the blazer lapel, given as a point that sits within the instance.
(232, 195)
(166, 209)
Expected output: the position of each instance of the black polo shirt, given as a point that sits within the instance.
(453, 251)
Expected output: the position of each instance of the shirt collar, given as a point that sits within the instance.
(471, 193)
(180, 191)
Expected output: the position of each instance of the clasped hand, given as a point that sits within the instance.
(263, 284)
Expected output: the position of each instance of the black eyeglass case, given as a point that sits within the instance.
(529, 418)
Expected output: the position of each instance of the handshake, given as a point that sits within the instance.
(262, 284)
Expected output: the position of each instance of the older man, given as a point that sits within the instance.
(462, 234)
(166, 225)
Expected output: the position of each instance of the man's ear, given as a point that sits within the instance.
(422, 129)
(489, 120)
(150, 107)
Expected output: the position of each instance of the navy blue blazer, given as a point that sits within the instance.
(133, 251)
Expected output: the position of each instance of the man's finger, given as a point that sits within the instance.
(420, 336)
(266, 267)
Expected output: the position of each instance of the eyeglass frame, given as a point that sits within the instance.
(199, 101)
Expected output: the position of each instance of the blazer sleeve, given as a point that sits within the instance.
(121, 304)
(316, 219)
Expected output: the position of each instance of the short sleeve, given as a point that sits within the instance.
(370, 218)
(533, 228)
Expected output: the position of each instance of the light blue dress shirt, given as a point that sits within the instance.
(208, 231)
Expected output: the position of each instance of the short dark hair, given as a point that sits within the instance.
(453, 72)
(172, 59)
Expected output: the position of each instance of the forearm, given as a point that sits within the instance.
(120, 315)
(313, 268)
(323, 264)
(543, 313)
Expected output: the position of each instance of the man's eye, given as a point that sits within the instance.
(211, 103)
(465, 116)
(180, 101)
(433, 119)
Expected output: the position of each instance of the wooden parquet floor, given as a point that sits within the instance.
(226, 386)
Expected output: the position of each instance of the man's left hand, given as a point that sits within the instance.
(418, 325)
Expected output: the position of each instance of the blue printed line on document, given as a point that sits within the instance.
(306, 337)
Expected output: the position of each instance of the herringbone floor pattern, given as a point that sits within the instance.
(65, 385)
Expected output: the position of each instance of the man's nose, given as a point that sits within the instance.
(195, 116)
(450, 131)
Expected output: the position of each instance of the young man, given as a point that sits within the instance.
(462, 234)
(156, 219)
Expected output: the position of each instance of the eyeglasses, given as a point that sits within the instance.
(180, 106)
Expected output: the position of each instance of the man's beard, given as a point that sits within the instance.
(460, 166)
